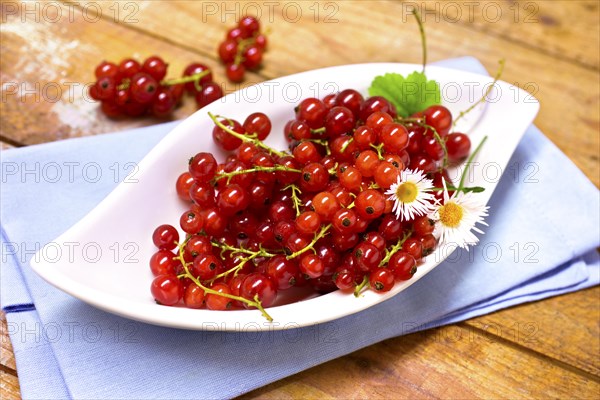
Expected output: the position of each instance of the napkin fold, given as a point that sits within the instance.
(541, 242)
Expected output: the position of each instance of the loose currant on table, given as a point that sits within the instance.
(243, 48)
(133, 89)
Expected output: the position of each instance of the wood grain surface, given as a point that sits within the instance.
(545, 349)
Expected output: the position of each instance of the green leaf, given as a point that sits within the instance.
(409, 95)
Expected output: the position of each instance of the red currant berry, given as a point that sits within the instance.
(235, 72)
(311, 265)
(128, 68)
(224, 139)
(217, 302)
(195, 69)
(249, 25)
(161, 263)
(203, 167)
(381, 280)
(350, 99)
(403, 265)
(259, 124)
(313, 111)
(165, 237)
(194, 297)
(252, 57)
(208, 94)
(259, 285)
(440, 118)
(155, 67)
(458, 145)
(282, 272)
(339, 121)
(167, 289)
(206, 266)
(228, 50)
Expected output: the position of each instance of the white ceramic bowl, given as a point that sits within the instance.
(132, 211)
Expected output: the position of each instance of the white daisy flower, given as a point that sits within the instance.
(455, 219)
(412, 195)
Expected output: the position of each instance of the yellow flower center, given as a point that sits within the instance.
(451, 214)
(407, 192)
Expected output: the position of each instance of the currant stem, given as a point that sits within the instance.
(124, 85)
(244, 138)
(485, 95)
(242, 45)
(468, 163)
(311, 245)
(360, 287)
(390, 252)
(295, 199)
(345, 146)
(235, 269)
(423, 39)
(231, 174)
(225, 247)
(256, 303)
(379, 148)
(185, 79)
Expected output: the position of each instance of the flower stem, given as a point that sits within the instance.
(468, 163)
(245, 138)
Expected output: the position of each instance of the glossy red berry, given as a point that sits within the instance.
(167, 289)
(165, 237)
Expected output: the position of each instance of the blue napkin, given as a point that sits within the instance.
(541, 242)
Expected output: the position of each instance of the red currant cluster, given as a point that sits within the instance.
(133, 89)
(264, 221)
(242, 48)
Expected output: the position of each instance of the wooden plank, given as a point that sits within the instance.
(331, 38)
(450, 362)
(7, 357)
(45, 67)
(9, 387)
(565, 328)
(565, 30)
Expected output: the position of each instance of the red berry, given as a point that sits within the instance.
(249, 25)
(155, 67)
(381, 280)
(235, 72)
(228, 50)
(144, 88)
(167, 289)
(458, 145)
(197, 69)
(165, 237)
(209, 93)
(259, 285)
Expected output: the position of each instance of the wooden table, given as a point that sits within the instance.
(544, 349)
